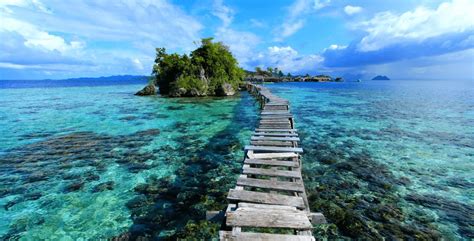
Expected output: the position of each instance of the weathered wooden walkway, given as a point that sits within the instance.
(269, 201)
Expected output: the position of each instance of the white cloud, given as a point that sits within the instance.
(289, 28)
(33, 4)
(335, 47)
(257, 23)
(36, 38)
(224, 13)
(137, 63)
(297, 13)
(159, 22)
(350, 10)
(51, 32)
(288, 51)
(319, 4)
(241, 44)
(387, 28)
(288, 59)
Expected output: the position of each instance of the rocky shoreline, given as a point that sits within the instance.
(318, 78)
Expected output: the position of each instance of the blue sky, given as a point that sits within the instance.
(402, 39)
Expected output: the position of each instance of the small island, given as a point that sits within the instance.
(210, 70)
(380, 77)
(276, 75)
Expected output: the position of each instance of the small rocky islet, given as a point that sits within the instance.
(209, 70)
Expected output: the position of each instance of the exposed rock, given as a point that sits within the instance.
(104, 186)
(202, 76)
(193, 93)
(150, 89)
(225, 90)
(177, 92)
(74, 186)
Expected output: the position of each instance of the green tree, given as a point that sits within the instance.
(204, 72)
(280, 74)
(270, 71)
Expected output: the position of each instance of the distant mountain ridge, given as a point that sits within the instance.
(106, 78)
(76, 82)
(380, 77)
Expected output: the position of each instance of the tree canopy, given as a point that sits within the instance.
(208, 70)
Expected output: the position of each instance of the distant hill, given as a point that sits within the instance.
(73, 82)
(380, 77)
(117, 78)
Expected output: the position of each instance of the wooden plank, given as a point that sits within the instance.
(275, 123)
(275, 130)
(283, 155)
(272, 143)
(276, 104)
(270, 172)
(266, 107)
(276, 116)
(271, 184)
(274, 126)
(266, 206)
(268, 218)
(274, 134)
(276, 138)
(266, 198)
(245, 236)
(284, 120)
(275, 113)
(271, 162)
(274, 149)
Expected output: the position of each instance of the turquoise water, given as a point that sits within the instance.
(99, 162)
(388, 158)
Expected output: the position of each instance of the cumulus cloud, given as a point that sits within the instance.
(419, 33)
(288, 59)
(387, 28)
(350, 10)
(241, 44)
(35, 38)
(97, 35)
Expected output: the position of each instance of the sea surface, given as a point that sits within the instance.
(391, 159)
(388, 158)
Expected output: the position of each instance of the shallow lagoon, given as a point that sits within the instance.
(99, 162)
(386, 158)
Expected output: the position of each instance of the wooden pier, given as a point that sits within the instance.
(269, 200)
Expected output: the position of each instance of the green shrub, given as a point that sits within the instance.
(205, 69)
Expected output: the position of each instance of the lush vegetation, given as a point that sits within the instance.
(270, 72)
(209, 70)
